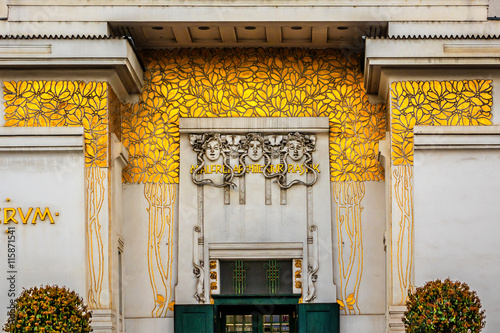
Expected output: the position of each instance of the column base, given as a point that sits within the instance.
(104, 321)
(396, 313)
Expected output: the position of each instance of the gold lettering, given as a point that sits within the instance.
(316, 167)
(290, 168)
(46, 213)
(6, 218)
(259, 168)
(281, 167)
(192, 168)
(218, 168)
(25, 218)
(302, 169)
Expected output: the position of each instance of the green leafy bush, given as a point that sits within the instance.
(49, 309)
(443, 307)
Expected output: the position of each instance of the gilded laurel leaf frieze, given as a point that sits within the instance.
(115, 113)
(452, 103)
(62, 103)
(252, 83)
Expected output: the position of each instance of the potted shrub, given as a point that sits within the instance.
(49, 309)
(443, 307)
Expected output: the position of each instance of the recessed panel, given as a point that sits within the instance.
(296, 34)
(251, 33)
(205, 34)
(158, 33)
(342, 33)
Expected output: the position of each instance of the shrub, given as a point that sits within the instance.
(49, 309)
(443, 307)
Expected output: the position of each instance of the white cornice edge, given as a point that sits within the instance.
(74, 54)
(456, 137)
(247, 124)
(13, 139)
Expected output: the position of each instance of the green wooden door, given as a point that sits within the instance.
(194, 318)
(319, 317)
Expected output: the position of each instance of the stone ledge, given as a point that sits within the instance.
(456, 137)
(255, 250)
(41, 139)
(103, 320)
(247, 124)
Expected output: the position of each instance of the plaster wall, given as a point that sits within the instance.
(456, 221)
(371, 270)
(45, 253)
(362, 323)
(139, 294)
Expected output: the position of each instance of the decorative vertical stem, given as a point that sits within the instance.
(403, 193)
(95, 192)
(161, 199)
(348, 196)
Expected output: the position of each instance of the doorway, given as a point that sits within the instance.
(258, 318)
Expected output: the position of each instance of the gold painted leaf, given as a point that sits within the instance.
(160, 299)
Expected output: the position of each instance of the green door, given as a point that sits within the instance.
(257, 315)
(194, 318)
(319, 317)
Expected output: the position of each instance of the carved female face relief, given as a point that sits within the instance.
(295, 150)
(255, 150)
(212, 152)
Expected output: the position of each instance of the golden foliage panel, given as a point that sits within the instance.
(451, 103)
(115, 113)
(62, 103)
(251, 83)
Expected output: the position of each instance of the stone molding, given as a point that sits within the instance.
(103, 321)
(53, 53)
(41, 139)
(395, 318)
(248, 11)
(424, 53)
(456, 137)
(261, 124)
(255, 250)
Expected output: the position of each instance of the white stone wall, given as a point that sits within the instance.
(457, 209)
(43, 171)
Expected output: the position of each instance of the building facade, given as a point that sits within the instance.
(258, 166)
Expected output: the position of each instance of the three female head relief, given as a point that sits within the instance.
(254, 147)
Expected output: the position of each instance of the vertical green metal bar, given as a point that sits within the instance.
(239, 276)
